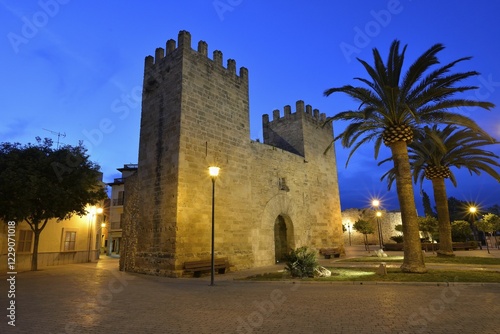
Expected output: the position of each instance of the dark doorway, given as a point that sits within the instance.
(280, 239)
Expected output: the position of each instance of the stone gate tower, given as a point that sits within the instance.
(270, 197)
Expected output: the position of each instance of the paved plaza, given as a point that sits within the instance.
(97, 298)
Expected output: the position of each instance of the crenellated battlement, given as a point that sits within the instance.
(184, 44)
(298, 132)
(300, 109)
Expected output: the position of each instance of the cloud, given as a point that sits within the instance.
(13, 130)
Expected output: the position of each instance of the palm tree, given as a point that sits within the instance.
(431, 158)
(392, 109)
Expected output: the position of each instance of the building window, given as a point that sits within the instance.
(69, 241)
(25, 241)
(119, 201)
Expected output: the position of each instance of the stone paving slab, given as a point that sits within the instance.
(97, 298)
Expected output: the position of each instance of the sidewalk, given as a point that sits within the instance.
(97, 298)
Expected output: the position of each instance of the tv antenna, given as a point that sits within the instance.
(59, 135)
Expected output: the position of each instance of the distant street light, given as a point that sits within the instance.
(376, 204)
(214, 172)
(473, 211)
(379, 223)
(92, 218)
(349, 227)
(101, 239)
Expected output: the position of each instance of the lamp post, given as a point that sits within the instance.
(99, 212)
(91, 227)
(349, 227)
(101, 238)
(379, 223)
(90, 216)
(376, 204)
(214, 172)
(473, 211)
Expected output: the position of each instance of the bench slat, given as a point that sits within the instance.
(328, 252)
(220, 264)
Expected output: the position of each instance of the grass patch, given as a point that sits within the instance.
(430, 259)
(374, 259)
(393, 275)
(463, 260)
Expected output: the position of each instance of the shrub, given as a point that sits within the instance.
(397, 238)
(301, 262)
(460, 230)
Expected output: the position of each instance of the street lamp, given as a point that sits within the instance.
(92, 226)
(214, 172)
(101, 238)
(379, 223)
(376, 204)
(98, 212)
(349, 227)
(473, 211)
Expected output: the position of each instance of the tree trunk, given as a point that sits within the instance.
(37, 229)
(34, 258)
(441, 199)
(413, 261)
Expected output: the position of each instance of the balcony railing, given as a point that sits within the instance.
(117, 201)
(131, 165)
(116, 225)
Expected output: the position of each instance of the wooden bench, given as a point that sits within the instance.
(197, 267)
(393, 247)
(328, 252)
(464, 245)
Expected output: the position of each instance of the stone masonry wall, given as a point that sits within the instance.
(196, 114)
(215, 130)
(388, 222)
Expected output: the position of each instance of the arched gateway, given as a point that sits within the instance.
(283, 237)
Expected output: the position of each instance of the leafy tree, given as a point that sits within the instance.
(426, 201)
(429, 226)
(457, 209)
(393, 108)
(486, 226)
(39, 183)
(460, 230)
(494, 209)
(398, 238)
(494, 221)
(399, 228)
(364, 227)
(433, 155)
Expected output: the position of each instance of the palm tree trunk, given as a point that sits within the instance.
(413, 258)
(441, 199)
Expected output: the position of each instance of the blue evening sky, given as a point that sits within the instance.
(76, 67)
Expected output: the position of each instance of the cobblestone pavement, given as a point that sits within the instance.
(97, 298)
